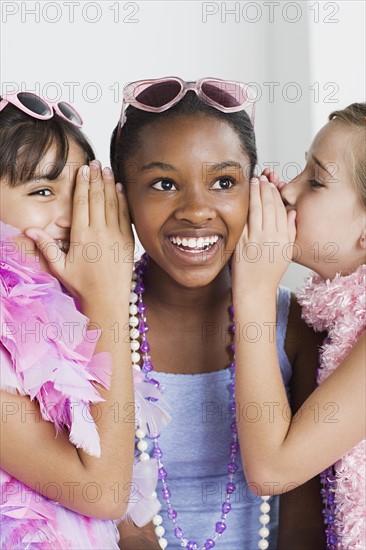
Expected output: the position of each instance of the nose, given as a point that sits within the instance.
(289, 194)
(195, 207)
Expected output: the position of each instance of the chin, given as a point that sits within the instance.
(194, 282)
(195, 278)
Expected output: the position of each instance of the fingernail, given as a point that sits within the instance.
(85, 171)
(31, 235)
(254, 181)
(119, 187)
(272, 185)
(95, 163)
(107, 171)
(263, 178)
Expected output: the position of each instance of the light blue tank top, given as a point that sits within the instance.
(196, 453)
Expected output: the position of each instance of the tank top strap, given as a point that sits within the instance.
(283, 308)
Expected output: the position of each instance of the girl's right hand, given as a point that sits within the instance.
(269, 235)
(101, 240)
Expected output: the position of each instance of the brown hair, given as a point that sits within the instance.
(354, 116)
(25, 140)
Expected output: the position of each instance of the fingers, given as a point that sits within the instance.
(274, 178)
(281, 214)
(291, 225)
(97, 215)
(80, 213)
(268, 204)
(95, 200)
(266, 209)
(280, 185)
(123, 210)
(255, 208)
(111, 199)
(244, 234)
(49, 249)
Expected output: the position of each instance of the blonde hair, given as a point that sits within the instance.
(354, 116)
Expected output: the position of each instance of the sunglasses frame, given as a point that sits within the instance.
(132, 89)
(53, 107)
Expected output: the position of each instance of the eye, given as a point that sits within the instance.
(164, 185)
(223, 183)
(315, 184)
(42, 193)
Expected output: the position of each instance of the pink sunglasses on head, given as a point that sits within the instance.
(156, 96)
(37, 107)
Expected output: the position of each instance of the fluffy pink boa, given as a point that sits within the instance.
(55, 366)
(339, 307)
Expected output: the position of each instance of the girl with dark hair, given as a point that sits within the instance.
(185, 153)
(60, 366)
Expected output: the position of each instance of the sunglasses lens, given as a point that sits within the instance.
(158, 94)
(34, 103)
(69, 113)
(227, 94)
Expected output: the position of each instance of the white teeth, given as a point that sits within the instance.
(195, 244)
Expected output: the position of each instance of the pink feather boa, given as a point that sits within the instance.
(339, 307)
(47, 353)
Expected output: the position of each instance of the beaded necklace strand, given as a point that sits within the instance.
(328, 482)
(139, 329)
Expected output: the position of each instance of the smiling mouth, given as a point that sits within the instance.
(64, 246)
(194, 245)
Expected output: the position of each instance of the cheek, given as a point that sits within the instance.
(38, 216)
(145, 222)
(132, 203)
(9, 208)
(237, 212)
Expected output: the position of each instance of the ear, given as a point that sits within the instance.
(363, 240)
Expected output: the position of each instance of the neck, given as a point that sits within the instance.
(163, 290)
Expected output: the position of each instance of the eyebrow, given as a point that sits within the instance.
(225, 164)
(317, 161)
(161, 165)
(38, 177)
(213, 167)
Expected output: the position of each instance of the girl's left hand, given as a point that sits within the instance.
(265, 249)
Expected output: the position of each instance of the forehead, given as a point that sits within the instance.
(201, 137)
(76, 157)
(333, 141)
(335, 147)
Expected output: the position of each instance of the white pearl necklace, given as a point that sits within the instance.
(142, 444)
(264, 518)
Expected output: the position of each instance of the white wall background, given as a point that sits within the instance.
(305, 59)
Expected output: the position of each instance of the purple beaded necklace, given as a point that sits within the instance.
(328, 481)
(232, 466)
